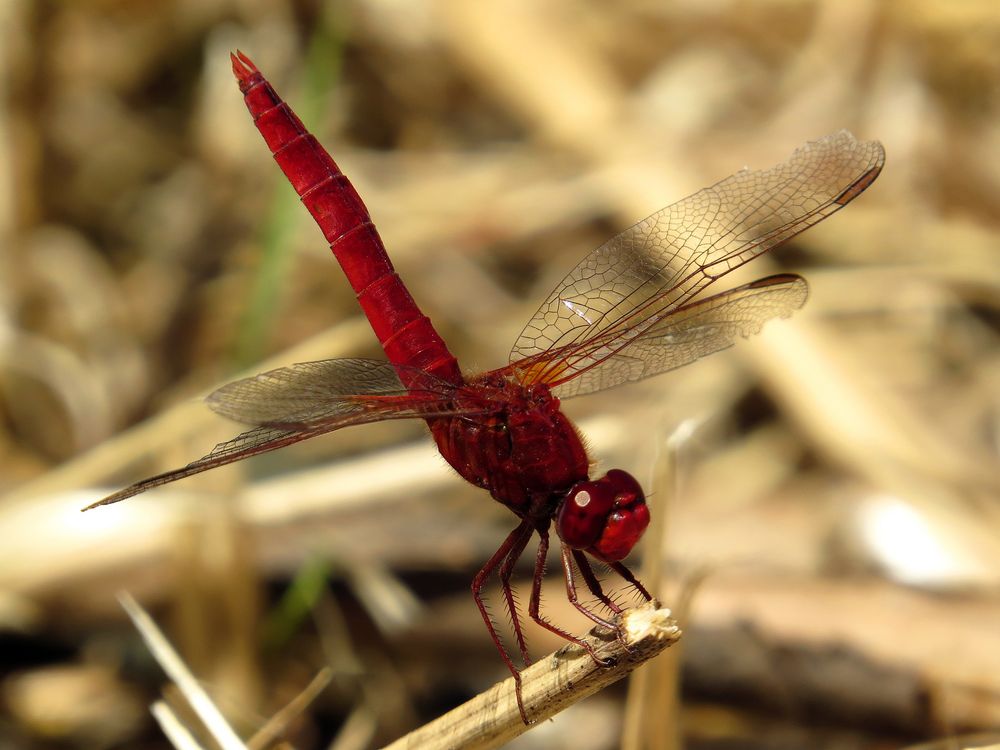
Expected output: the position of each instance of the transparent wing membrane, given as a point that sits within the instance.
(635, 281)
(688, 334)
(294, 403)
(311, 392)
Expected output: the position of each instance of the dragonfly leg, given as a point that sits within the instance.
(536, 598)
(592, 583)
(478, 582)
(505, 573)
(625, 573)
(571, 594)
(588, 574)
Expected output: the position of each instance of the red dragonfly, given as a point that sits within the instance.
(626, 312)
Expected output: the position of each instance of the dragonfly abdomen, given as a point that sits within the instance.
(406, 334)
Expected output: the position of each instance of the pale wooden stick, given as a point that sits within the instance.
(548, 686)
(175, 668)
(178, 734)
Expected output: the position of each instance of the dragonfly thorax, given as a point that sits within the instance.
(522, 449)
(605, 517)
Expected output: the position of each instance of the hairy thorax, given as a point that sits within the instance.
(521, 448)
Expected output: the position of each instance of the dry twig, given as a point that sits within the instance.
(175, 668)
(548, 686)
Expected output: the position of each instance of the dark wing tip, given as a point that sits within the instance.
(791, 280)
(775, 280)
(861, 184)
(875, 152)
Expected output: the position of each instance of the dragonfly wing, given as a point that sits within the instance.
(665, 260)
(250, 443)
(295, 403)
(314, 392)
(691, 332)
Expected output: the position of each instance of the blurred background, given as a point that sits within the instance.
(825, 494)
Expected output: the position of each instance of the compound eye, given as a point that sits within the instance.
(605, 517)
(583, 514)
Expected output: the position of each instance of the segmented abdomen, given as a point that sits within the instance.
(406, 334)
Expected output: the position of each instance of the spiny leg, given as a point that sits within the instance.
(592, 583)
(536, 598)
(506, 570)
(588, 574)
(571, 589)
(625, 573)
(477, 587)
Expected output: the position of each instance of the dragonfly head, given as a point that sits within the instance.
(605, 517)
